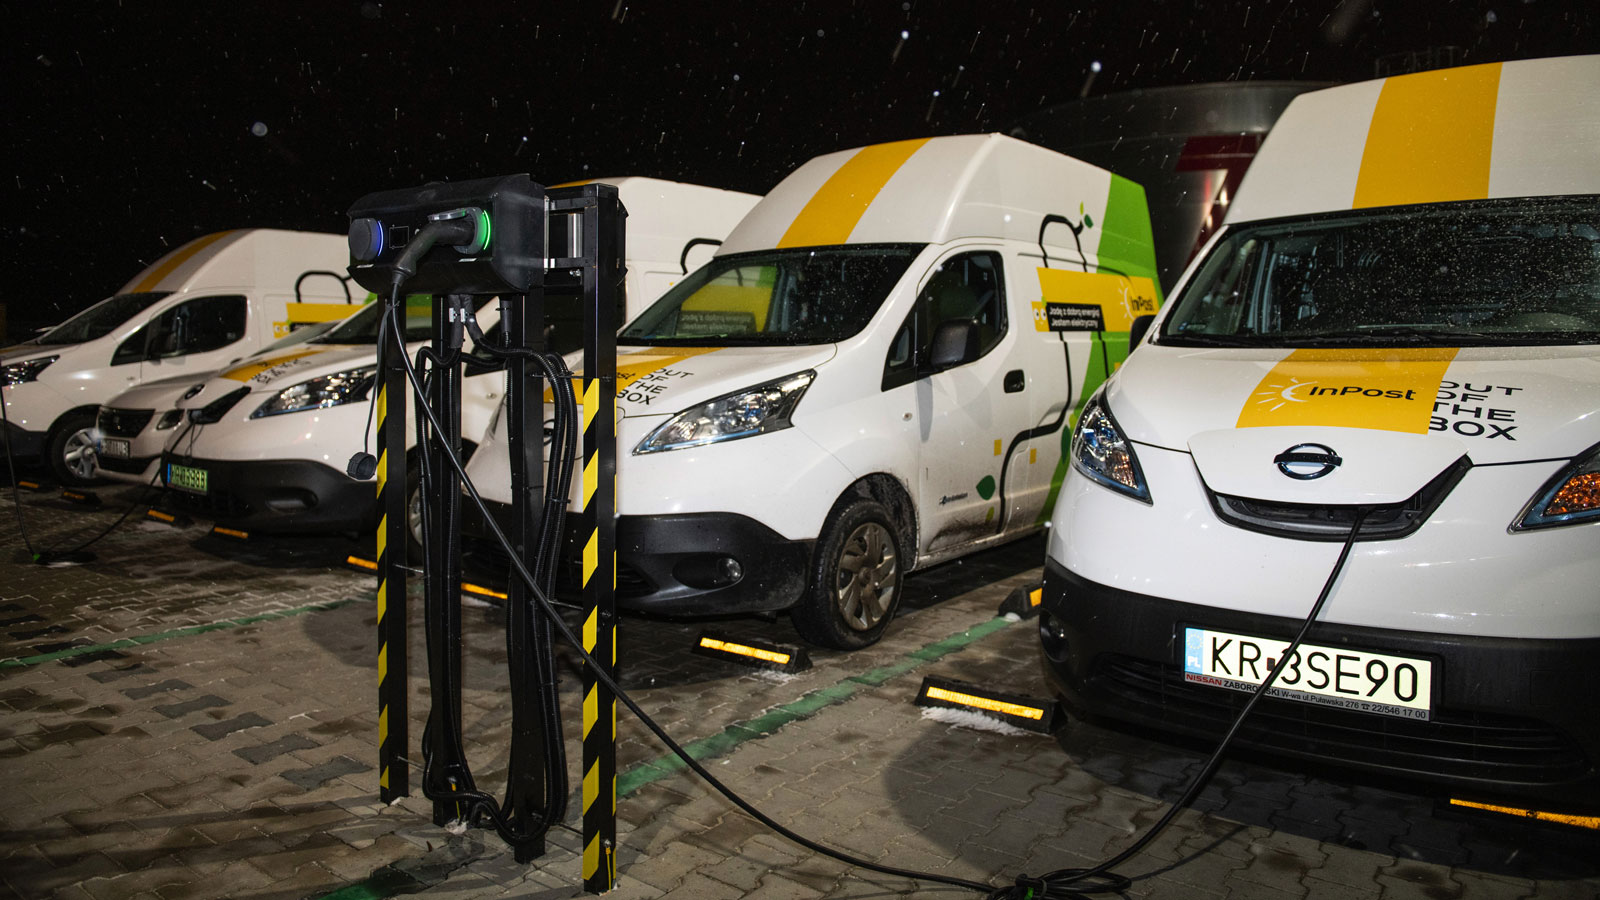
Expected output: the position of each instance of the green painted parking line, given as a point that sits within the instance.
(388, 881)
(121, 643)
(729, 739)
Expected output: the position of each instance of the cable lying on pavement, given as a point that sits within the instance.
(1060, 884)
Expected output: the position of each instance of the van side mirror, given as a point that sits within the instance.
(955, 342)
(1137, 330)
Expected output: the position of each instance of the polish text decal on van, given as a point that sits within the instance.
(1386, 390)
(1091, 301)
(245, 373)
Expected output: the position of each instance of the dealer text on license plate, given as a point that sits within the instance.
(1342, 677)
(113, 448)
(185, 478)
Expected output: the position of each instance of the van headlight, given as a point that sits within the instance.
(758, 410)
(319, 393)
(1572, 496)
(1100, 451)
(25, 371)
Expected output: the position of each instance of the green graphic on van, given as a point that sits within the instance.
(986, 487)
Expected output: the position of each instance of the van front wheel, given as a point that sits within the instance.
(70, 450)
(855, 579)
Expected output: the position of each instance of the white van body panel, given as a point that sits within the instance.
(1396, 333)
(1416, 584)
(976, 449)
(259, 264)
(664, 217)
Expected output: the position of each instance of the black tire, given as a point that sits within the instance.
(70, 451)
(856, 577)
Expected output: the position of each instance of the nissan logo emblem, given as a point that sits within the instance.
(1304, 462)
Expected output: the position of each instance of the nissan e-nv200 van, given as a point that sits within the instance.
(211, 301)
(876, 372)
(1396, 334)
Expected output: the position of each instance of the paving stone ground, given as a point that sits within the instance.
(191, 761)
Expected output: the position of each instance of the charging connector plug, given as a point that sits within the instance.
(467, 228)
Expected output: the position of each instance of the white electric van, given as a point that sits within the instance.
(876, 372)
(1399, 324)
(137, 425)
(274, 458)
(215, 299)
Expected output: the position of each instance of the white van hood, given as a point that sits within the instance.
(163, 393)
(1396, 418)
(303, 362)
(660, 381)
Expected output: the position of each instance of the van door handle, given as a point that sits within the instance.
(1015, 381)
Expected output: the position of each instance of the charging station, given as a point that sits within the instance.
(466, 242)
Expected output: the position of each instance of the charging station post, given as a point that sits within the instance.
(462, 242)
(602, 232)
(394, 719)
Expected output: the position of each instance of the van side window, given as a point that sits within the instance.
(205, 323)
(968, 286)
(131, 350)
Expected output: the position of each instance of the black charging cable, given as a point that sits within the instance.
(478, 806)
(1071, 884)
(1060, 884)
(53, 555)
(11, 468)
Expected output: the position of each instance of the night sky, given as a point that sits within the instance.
(134, 127)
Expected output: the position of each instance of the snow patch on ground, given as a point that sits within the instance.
(776, 677)
(1012, 617)
(965, 718)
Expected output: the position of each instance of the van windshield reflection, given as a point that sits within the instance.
(813, 295)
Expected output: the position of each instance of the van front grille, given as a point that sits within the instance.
(123, 422)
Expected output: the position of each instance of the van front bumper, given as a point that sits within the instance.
(22, 443)
(276, 496)
(691, 564)
(1514, 719)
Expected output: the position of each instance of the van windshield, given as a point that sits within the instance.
(99, 320)
(1498, 273)
(813, 295)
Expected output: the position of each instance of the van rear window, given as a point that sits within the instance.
(813, 295)
(1498, 273)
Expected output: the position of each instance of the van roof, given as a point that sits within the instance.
(933, 190)
(270, 258)
(1512, 129)
(663, 215)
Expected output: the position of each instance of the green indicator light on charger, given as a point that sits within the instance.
(483, 230)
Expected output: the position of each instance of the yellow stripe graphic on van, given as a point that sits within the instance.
(1386, 390)
(177, 258)
(832, 213)
(633, 366)
(245, 373)
(1431, 137)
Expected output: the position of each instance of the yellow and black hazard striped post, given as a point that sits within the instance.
(604, 245)
(394, 774)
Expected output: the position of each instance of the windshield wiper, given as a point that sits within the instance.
(1389, 334)
(1210, 340)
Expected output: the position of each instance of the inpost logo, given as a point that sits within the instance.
(1297, 391)
(1389, 391)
